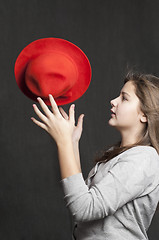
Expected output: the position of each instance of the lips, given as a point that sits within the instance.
(112, 112)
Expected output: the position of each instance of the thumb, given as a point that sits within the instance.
(80, 121)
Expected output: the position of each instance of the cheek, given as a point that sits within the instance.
(127, 112)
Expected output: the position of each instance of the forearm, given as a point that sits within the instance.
(76, 153)
(68, 155)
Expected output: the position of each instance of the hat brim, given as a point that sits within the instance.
(47, 45)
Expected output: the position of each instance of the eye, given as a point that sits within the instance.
(124, 98)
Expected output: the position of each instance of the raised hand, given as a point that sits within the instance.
(57, 123)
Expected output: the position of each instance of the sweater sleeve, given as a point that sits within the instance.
(125, 181)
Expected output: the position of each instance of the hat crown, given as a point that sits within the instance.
(53, 73)
(52, 65)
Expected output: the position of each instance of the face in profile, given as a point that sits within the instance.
(126, 114)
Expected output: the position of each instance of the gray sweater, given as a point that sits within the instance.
(118, 199)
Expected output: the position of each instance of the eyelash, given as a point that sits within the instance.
(123, 98)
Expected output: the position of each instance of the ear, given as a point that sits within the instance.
(143, 118)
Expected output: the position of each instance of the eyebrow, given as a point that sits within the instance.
(125, 93)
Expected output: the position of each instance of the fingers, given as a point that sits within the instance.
(54, 105)
(64, 114)
(72, 113)
(44, 107)
(39, 114)
(40, 124)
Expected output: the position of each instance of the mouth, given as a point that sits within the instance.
(112, 112)
(113, 115)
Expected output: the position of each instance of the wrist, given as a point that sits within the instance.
(64, 142)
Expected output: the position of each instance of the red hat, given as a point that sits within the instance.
(53, 66)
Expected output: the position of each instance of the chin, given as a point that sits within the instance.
(111, 122)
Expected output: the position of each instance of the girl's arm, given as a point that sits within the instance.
(67, 160)
(76, 153)
(76, 135)
(62, 129)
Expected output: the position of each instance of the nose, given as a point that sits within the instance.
(113, 102)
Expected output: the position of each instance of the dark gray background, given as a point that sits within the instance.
(114, 34)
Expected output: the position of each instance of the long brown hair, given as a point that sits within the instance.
(147, 90)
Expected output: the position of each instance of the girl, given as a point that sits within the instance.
(121, 193)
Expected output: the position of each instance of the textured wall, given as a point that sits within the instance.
(113, 34)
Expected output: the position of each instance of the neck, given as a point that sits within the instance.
(129, 138)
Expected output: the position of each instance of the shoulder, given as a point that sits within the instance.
(141, 155)
(141, 151)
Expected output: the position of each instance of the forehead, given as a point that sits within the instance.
(129, 88)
